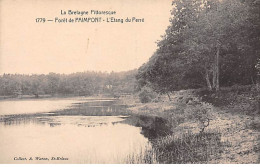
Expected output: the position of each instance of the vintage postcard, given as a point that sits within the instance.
(129, 82)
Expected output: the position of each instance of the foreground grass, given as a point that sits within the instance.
(187, 148)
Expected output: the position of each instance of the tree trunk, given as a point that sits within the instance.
(258, 106)
(208, 80)
(215, 78)
(258, 95)
(214, 75)
(217, 68)
(258, 85)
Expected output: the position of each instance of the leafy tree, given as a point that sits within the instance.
(208, 43)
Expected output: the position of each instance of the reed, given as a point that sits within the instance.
(187, 148)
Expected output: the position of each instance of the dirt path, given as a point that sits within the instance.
(243, 141)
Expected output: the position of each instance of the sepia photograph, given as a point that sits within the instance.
(129, 82)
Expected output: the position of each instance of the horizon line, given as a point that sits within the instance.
(47, 73)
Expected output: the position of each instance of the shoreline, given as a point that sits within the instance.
(237, 133)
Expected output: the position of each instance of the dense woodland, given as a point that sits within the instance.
(209, 43)
(78, 84)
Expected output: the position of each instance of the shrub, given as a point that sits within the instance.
(146, 95)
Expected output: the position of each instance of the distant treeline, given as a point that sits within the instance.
(79, 84)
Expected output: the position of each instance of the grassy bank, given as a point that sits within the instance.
(204, 127)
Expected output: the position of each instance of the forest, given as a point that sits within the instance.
(209, 43)
(76, 84)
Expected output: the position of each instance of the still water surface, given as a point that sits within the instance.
(57, 131)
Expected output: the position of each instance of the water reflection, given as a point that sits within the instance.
(152, 126)
(71, 133)
(32, 106)
(100, 144)
(84, 108)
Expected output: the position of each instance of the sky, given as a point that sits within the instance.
(27, 47)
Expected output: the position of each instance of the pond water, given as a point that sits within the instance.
(67, 131)
(8, 107)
